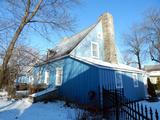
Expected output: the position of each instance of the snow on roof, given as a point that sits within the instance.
(154, 73)
(152, 67)
(68, 44)
(102, 64)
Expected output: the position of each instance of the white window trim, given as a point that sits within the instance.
(135, 80)
(96, 43)
(121, 81)
(31, 79)
(39, 75)
(47, 75)
(56, 81)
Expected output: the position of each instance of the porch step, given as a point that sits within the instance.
(45, 95)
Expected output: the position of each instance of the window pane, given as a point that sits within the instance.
(59, 72)
(46, 77)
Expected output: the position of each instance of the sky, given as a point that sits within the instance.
(126, 13)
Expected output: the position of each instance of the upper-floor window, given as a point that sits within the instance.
(135, 80)
(59, 74)
(94, 50)
(46, 79)
(118, 80)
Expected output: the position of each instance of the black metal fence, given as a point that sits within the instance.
(126, 109)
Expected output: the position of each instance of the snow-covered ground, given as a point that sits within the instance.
(24, 110)
(153, 105)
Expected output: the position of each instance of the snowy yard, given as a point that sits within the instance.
(153, 105)
(24, 110)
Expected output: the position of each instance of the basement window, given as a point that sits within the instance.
(46, 79)
(118, 80)
(94, 50)
(59, 74)
(135, 80)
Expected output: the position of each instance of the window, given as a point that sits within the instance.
(94, 50)
(30, 79)
(46, 80)
(39, 75)
(135, 80)
(118, 80)
(59, 74)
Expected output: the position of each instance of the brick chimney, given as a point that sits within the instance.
(110, 54)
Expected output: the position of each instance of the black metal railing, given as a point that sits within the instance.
(126, 109)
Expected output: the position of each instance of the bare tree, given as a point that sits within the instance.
(37, 15)
(151, 29)
(134, 42)
(22, 60)
(128, 59)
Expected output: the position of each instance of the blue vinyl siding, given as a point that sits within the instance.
(107, 78)
(84, 48)
(22, 78)
(79, 78)
(130, 91)
(77, 81)
(51, 66)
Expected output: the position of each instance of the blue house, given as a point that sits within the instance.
(82, 66)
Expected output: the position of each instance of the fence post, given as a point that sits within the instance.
(132, 110)
(142, 111)
(135, 114)
(146, 111)
(117, 105)
(139, 117)
(156, 114)
(151, 113)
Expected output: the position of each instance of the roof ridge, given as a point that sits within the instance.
(84, 29)
(67, 45)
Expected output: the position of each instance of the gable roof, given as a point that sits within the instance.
(68, 44)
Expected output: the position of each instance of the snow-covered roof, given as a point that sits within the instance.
(68, 44)
(154, 73)
(152, 67)
(107, 65)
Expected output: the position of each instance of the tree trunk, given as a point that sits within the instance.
(139, 61)
(10, 50)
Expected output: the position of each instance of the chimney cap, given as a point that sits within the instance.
(105, 15)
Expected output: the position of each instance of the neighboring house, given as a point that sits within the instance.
(26, 75)
(153, 72)
(84, 65)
